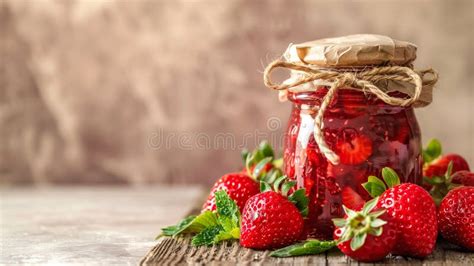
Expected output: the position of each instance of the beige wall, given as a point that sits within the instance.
(85, 85)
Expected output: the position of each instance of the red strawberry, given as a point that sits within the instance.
(371, 233)
(456, 217)
(351, 199)
(240, 187)
(272, 220)
(414, 213)
(465, 178)
(439, 166)
(354, 150)
(269, 220)
(412, 210)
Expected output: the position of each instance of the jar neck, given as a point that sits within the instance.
(342, 97)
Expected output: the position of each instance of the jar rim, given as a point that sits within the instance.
(346, 95)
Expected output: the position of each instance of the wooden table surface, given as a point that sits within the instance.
(117, 226)
(85, 225)
(179, 251)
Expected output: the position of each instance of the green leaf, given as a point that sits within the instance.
(349, 212)
(244, 155)
(432, 151)
(347, 234)
(266, 149)
(264, 187)
(300, 200)
(191, 224)
(228, 217)
(276, 185)
(429, 181)
(339, 222)
(449, 170)
(376, 231)
(309, 247)
(278, 163)
(260, 167)
(390, 177)
(178, 228)
(378, 213)
(358, 241)
(272, 175)
(285, 188)
(374, 186)
(206, 237)
(226, 209)
(377, 223)
(369, 205)
(227, 235)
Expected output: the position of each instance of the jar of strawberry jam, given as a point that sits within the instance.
(353, 102)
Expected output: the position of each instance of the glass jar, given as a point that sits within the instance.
(366, 133)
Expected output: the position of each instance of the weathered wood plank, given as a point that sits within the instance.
(178, 251)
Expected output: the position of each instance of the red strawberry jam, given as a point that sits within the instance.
(367, 135)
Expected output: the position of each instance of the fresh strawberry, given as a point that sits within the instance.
(439, 166)
(456, 217)
(240, 187)
(441, 185)
(352, 199)
(354, 149)
(259, 165)
(412, 209)
(260, 161)
(367, 235)
(465, 178)
(272, 220)
(436, 165)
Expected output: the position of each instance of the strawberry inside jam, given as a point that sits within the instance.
(367, 135)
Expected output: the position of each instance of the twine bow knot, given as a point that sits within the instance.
(364, 80)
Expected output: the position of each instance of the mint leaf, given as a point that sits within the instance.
(206, 237)
(211, 227)
(226, 208)
(433, 150)
(191, 224)
(309, 247)
(178, 228)
(390, 177)
(227, 235)
(228, 217)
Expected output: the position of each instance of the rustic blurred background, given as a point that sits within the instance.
(85, 85)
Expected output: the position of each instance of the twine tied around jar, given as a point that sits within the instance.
(364, 80)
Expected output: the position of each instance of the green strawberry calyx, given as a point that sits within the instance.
(441, 185)
(359, 224)
(283, 185)
(375, 186)
(210, 227)
(256, 161)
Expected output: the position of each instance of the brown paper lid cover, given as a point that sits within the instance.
(353, 50)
